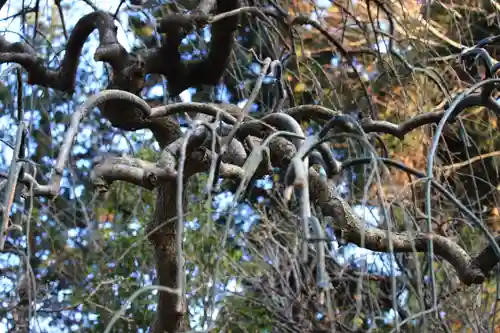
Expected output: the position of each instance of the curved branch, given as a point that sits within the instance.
(487, 259)
(132, 170)
(204, 108)
(63, 79)
(469, 270)
(52, 189)
(316, 112)
(208, 71)
(129, 70)
(376, 239)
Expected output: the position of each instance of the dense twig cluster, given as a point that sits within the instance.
(228, 142)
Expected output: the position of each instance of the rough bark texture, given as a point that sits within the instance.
(161, 231)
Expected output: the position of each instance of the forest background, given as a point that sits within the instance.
(402, 221)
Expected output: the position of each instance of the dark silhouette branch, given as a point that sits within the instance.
(316, 112)
(63, 79)
(129, 70)
(487, 259)
(208, 71)
(127, 111)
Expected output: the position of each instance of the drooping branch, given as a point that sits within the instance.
(375, 239)
(304, 20)
(468, 269)
(128, 74)
(323, 194)
(317, 112)
(320, 113)
(161, 230)
(129, 70)
(52, 189)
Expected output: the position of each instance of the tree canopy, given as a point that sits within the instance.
(249, 166)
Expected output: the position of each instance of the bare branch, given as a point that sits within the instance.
(375, 239)
(167, 59)
(204, 108)
(132, 170)
(129, 70)
(52, 189)
(316, 112)
(331, 204)
(63, 79)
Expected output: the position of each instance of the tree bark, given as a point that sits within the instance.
(161, 232)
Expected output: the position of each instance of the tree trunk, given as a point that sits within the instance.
(161, 232)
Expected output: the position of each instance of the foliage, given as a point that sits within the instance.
(354, 68)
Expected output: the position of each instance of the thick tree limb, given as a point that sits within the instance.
(128, 75)
(181, 75)
(192, 107)
(129, 70)
(316, 112)
(375, 239)
(161, 232)
(469, 270)
(63, 79)
(131, 170)
(487, 259)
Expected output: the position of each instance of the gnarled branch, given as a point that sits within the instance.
(63, 79)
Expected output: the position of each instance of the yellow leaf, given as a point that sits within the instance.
(145, 31)
(358, 320)
(494, 211)
(30, 18)
(333, 9)
(299, 52)
(300, 87)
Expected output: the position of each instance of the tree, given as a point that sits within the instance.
(277, 59)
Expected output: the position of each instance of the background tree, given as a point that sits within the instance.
(177, 131)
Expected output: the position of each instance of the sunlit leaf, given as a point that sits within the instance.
(358, 321)
(300, 87)
(494, 211)
(333, 9)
